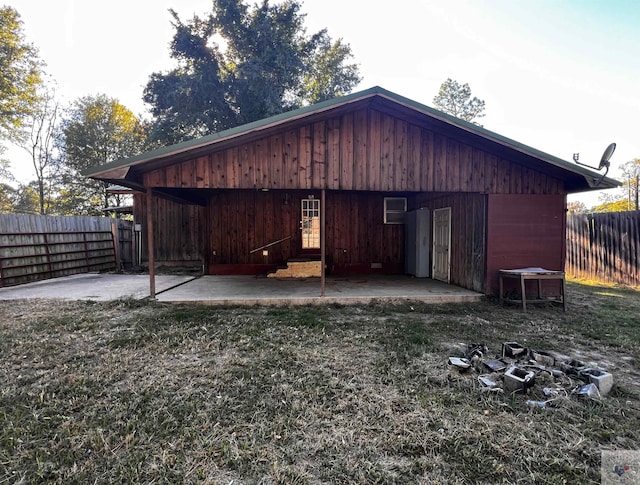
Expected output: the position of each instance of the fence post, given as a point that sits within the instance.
(48, 253)
(116, 244)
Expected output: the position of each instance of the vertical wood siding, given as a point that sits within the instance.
(177, 231)
(364, 150)
(468, 222)
(359, 157)
(241, 221)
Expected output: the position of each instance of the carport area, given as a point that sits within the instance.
(243, 290)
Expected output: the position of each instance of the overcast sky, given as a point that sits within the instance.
(560, 76)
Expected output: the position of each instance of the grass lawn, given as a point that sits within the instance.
(140, 392)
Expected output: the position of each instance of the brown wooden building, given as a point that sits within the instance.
(371, 182)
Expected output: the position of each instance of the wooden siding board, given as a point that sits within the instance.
(440, 160)
(319, 162)
(360, 161)
(427, 161)
(304, 172)
(276, 162)
(247, 180)
(201, 173)
(387, 137)
(516, 178)
(492, 173)
(466, 168)
(262, 162)
(413, 158)
(452, 166)
(503, 179)
(333, 156)
(400, 155)
(374, 171)
(290, 159)
(187, 174)
(346, 152)
(234, 167)
(216, 176)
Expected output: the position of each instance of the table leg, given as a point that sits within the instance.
(524, 294)
(501, 291)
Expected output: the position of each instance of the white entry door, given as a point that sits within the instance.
(310, 224)
(441, 244)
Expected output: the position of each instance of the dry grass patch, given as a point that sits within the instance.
(144, 392)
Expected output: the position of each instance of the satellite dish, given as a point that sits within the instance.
(604, 163)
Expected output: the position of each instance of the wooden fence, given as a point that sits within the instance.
(604, 247)
(34, 248)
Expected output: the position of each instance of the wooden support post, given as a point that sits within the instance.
(323, 248)
(150, 248)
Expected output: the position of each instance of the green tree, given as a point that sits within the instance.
(630, 183)
(240, 64)
(20, 75)
(611, 202)
(455, 99)
(95, 131)
(26, 199)
(7, 198)
(576, 207)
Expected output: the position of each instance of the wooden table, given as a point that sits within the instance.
(538, 274)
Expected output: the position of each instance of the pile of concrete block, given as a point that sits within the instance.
(518, 369)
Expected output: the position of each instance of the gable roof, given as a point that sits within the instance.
(120, 171)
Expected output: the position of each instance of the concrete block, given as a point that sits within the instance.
(513, 350)
(517, 379)
(573, 367)
(460, 363)
(544, 358)
(602, 379)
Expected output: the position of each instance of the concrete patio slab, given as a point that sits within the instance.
(242, 290)
(249, 290)
(93, 286)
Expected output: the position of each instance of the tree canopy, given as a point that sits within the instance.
(20, 75)
(239, 64)
(96, 130)
(626, 198)
(631, 182)
(455, 99)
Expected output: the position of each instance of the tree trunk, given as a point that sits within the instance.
(41, 195)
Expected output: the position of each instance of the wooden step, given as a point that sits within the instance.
(299, 269)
